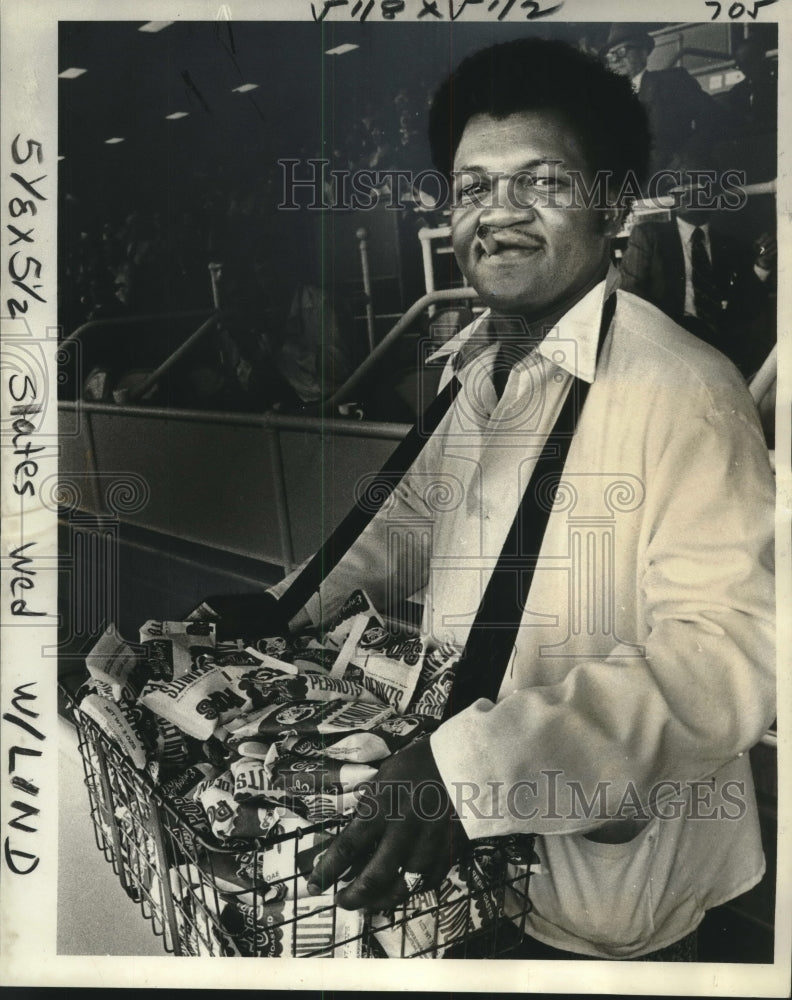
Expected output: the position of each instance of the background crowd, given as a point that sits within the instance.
(288, 335)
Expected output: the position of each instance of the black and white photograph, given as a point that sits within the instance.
(396, 495)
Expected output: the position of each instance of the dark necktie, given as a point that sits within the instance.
(705, 294)
(504, 362)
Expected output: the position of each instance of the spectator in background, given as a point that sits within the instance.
(678, 109)
(712, 283)
(754, 100)
(289, 333)
(753, 103)
(315, 356)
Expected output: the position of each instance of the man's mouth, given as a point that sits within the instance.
(507, 242)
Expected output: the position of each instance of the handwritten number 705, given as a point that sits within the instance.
(738, 9)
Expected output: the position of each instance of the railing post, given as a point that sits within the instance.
(362, 236)
(281, 499)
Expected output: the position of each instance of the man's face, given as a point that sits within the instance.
(750, 60)
(626, 59)
(518, 240)
(689, 195)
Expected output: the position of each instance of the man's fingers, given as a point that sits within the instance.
(431, 874)
(395, 896)
(373, 895)
(390, 889)
(354, 842)
(434, 877)
(377, 882)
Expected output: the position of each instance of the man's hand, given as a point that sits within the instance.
(766, 250)
(405, 823)
(247, 616)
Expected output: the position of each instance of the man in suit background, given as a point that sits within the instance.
(712, 283)
(754, 100)
(678, 109)
(753, 105)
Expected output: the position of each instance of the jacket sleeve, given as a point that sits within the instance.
(703, 692)
(713, 119)
(749, 321)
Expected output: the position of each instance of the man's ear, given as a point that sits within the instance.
(612, 221)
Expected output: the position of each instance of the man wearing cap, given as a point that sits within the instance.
(677, 107)
(607, 699)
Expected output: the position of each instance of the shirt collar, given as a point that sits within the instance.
(686, 228)
(636, 80)
(581, 323)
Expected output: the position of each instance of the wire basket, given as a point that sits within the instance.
(179, 877)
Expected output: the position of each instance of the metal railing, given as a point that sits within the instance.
(400, 328)
(121, 321)
(265, 457)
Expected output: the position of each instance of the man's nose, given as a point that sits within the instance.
(507, 205)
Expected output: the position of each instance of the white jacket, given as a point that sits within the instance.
(644, 664)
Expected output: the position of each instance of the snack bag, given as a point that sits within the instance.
(432, 702)
(115, 664)
(437, 660)
(296, 927)
(209, 695)
(320, 687)
(388, 666)
(305, 776)
(430, 922)
(276, 721)
(230, 819)
(279, 647)
(311, 656)
(116, 723)
(362, 746)
(356, 611)
(173, 646)
(269, 873)
(181, 793)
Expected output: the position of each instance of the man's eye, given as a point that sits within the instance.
(547, 181)
(471, 193)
